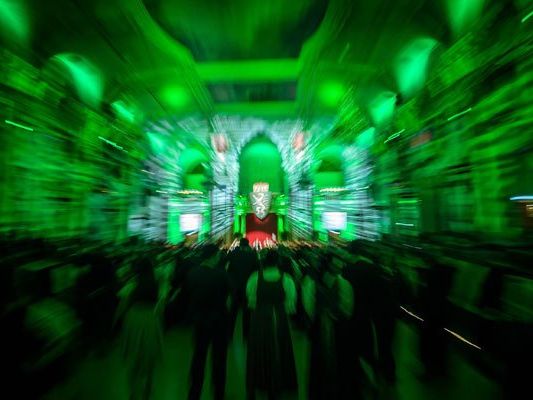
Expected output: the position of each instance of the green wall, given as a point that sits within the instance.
(260, 161)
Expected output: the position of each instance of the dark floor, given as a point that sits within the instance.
(103, 377)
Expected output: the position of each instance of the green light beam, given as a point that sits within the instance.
(27, 128)
(407, 201)
(459, 114)
(394, 136)
(109, 142)
(527, 17)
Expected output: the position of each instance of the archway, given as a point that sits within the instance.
(260, 161)
(328, 171)
(194, 166)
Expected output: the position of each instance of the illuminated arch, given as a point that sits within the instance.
(86, 79)
(328, 169)
(261, 161)
(194, 164)
(411, 66)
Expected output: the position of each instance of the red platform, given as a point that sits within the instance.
(261, 230)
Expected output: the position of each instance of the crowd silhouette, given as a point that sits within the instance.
(61, 302)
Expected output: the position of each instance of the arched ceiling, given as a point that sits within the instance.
(296, 58)
(239, 29)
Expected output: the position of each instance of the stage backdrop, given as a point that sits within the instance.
(257, 229)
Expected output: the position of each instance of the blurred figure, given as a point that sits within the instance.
(369, 292)
(242, 263)
(385, 313)
(142, 331)
(209, 291)
(436, 284)
(270, 368)
(97, 299)
(328, 301)
(38, 331)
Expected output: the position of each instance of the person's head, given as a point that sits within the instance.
(284, 262)
(270, 259)
(331, 263)
(143, 265)
(146, 289)
(336, 265)
(244, 243)
(211, 254)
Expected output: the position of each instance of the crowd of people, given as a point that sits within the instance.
(62, 301)
(347, 307)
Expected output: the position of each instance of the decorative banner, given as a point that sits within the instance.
(219, 142)
(261, 199)
(298, 142)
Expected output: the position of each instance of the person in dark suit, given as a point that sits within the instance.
(243, 262)
(209, 291)
(270, 364)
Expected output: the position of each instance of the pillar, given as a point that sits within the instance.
(243, 224)
(281, 226)
(237, 223)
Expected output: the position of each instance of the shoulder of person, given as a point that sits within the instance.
(344, 283)
(254, 276)
(307, 280)
(287, 277)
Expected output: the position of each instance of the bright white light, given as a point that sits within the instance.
(334, 220)
(521, 198)
(190, 222)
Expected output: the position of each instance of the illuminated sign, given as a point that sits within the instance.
(219, 142)
(261, 199)
(298, 142)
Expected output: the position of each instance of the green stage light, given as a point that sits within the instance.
(331, 93)
(87, 79)
(175, 96)
(412, 64)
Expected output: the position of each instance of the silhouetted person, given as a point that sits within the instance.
(208, 296)
(437, 280)
(384, 316)
(328, 301)
(363, 275)
(270, 366)
(97, 299)
(142, 330)
(242, 263)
